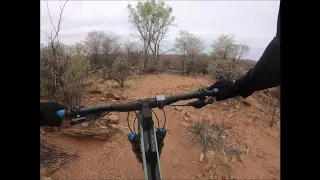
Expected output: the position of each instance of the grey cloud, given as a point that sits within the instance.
(252, 22)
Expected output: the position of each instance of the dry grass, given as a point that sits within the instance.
(215, 137)
(62, 76)
(52, 157)
(271, 99)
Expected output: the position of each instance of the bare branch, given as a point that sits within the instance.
(50, 18)
(54, 39)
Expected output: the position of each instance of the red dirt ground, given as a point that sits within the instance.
(113, 158)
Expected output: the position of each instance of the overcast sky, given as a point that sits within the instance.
(252, 22)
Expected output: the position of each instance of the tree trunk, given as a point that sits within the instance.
(183, 61)
(145, 66)
(155, 54)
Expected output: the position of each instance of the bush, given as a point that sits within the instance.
(52, 158)
(221, 70)
(199, 66)
(120, 70)
(62, 76)
(166, 63)
(149, 70)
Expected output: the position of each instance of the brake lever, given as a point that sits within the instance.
(201, 103)
(78, 120)
(210, 100)
(87, 118)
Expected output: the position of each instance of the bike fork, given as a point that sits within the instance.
(134, 140)
(161, 134)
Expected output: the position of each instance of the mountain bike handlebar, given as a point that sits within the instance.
(134, 106)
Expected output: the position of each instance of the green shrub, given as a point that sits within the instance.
(221, 70)
(62, 76)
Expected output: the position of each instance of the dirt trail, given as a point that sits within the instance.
(113, 158)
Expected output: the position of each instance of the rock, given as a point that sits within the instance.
(238, 106)
(48, 129)
(194, 118)
(224, 103)
(114, 96)
(113, 112)
(85, 124)
(183, 111)
(94, 91)
(46, 178)
(185, 124)
(42, 131)
(113, 119)
(240, 158)
(247, 151)
(198, 175)
(187, 119)
(117, 96)
(105, 119)
(223, 137)
(201, 157)
(207, 117)
(205, 170)
(114, 126)
(213, 136)
(251, 101)
(108, 95)
(175, 162)
(178, 108)
(102, 99)
(246, 102)
(209, 156)
(227, 133)
(101, 81)
(101, 137)
(99, 123)
(188, 114)
(229, 115)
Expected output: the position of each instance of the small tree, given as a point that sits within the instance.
(181, 47)
(134, 52)
(62, 70)
(194, 50)
(110, 49)
(78, 49)
(151, 19)
(120, 70)
(240, 51)
(93, 43)
(188, 45)
(225, 48)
